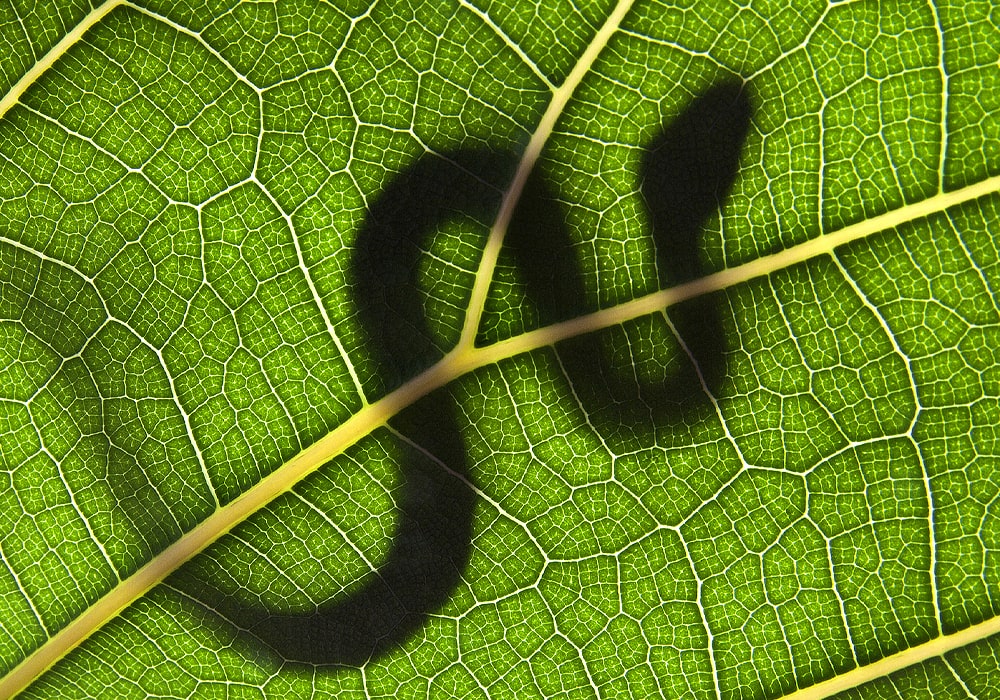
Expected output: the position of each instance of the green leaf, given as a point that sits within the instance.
(199, 433)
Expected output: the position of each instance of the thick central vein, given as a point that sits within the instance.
(560, 96)
(54, 54)
(457, 363)
(937, 647)
(466, 358)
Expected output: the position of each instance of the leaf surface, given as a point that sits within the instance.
(204, 426)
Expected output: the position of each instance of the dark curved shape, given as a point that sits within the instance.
(430, 550)
(394, 237)
(433, 538)
(686, 172)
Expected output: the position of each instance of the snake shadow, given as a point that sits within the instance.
(433, 537)
(685, 174)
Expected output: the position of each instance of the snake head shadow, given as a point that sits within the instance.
(685, 173)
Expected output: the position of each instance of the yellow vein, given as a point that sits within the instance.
(560, 97)
(822, 245)
(222, 520)
(457, 363)
(939, 646)
(54, 54)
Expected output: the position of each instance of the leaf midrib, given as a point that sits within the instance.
(560, 96)
(457, 363)
(466, 358)
(15, 93)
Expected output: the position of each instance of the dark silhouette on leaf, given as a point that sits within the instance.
(685, 174)
(394, 237)
(429, 552)
(433, 536)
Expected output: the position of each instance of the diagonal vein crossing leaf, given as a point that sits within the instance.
(823, 522)
(452, 367)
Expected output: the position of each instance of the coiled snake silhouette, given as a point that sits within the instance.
(685, 173)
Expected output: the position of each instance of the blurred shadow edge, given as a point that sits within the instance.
(433, 535)
(429, 552)
(685, 174)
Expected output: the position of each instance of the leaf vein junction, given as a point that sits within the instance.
(459, 362)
